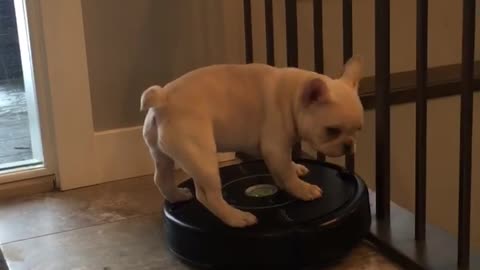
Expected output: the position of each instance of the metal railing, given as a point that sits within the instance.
(383, 213)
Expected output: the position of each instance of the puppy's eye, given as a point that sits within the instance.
(333, 132)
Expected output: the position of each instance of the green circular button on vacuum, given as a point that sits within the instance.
(261, 190)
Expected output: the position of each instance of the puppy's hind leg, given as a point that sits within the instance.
(198, 159)
(165, 179)
(164, 166)
(204, 169)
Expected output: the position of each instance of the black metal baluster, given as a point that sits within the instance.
(247, 21)
(292, 47)
(466, 121)
(318, 35)
(382, 108)
(347, 54)
(269, 32)
(347, 30)
(421, 120)
(292, 36)
(318, 44)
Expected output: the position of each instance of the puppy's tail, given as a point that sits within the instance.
(154, 97)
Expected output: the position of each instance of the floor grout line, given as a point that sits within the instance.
(80, 228)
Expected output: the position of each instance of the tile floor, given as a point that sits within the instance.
(111, 226)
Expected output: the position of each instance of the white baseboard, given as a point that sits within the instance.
(122, 153)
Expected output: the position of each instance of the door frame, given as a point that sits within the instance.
(66, 63)
(84, 157)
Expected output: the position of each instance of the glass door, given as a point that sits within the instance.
(21, 138)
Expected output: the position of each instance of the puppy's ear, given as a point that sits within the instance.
(316, 91)
(352, 73)
(153, 97)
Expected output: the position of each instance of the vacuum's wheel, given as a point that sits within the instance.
(289, 231)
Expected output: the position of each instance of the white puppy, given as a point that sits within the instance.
(255, 109)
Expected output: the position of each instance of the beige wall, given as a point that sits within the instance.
(133, 44)
(137, 43)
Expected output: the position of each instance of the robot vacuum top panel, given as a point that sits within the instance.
(250, 187)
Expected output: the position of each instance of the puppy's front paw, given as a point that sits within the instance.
(238, 218)
(303, 190)
(300, 170)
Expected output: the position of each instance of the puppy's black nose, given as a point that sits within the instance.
(347, 148)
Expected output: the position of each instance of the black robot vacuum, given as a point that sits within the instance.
(289, 234)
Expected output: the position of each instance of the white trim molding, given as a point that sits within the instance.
(122, 153)
(71, 108)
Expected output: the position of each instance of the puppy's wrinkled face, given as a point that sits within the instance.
(331, 113)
